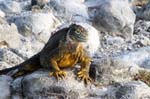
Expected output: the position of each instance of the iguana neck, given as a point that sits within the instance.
(68, 45)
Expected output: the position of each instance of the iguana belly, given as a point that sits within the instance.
(68, 60)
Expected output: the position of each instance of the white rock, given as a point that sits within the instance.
(10, 6)
(114, 40)
(69, 11)
(4, 65)
(2, 14)
(9, 57)
(138, 57)
(114, 16)
(9, 34)
(40, 23)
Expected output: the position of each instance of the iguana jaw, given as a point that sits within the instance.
(76, 39)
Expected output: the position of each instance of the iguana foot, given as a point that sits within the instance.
(58, 74)
(83, 74)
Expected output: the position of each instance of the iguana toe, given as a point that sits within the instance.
(58, 74)
(84, 76)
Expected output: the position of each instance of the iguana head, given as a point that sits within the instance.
(77, 33)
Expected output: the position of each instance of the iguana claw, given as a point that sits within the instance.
(58, 74)
(83, 74)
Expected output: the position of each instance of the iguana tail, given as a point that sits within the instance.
(24, 68)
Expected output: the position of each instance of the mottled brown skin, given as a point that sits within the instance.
(63, 50)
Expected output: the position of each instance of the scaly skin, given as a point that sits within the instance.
(63, 50)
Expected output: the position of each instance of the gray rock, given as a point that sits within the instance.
(113, 16)
(128, 90)
(114, 40)
(10, 6)
(38, 24)
(138, 57)
(9, 57)
(65, 10)
(120, 68)
(109, 70)
(5, 87)
(41, 85)
(16, 88)
(144, 12)
(24, 47)
(141, 25)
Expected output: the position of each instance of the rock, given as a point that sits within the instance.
(142, 27)
(41, 85)
(39, 23)
(9, 57)
(4, 65)
(112, 16)
(2, 14)
(74, 11)
(9, 34)
(10, 6)
(114, 40)
(128, 90)
(138, 57)
(120, 68)
(16, 88)
(144, 12)
(109, 70)
(144, 41)
(5, 87)
(10, 38)
(39, 2)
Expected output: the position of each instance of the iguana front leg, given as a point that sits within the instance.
(59, 74)
(84, 72)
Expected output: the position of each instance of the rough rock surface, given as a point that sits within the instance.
(40, 24)
(128, 90)
(9, 34)
(116, 66)
(113, 16)
(40, 84)
(10, 58)
(10, 6)
(143, 12)
(65, 10)
(5, 87)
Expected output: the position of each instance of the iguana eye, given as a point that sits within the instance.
(77, 32)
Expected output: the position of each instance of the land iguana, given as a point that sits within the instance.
(63, 50)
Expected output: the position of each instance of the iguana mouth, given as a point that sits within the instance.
(78, 38)
(82, 39)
